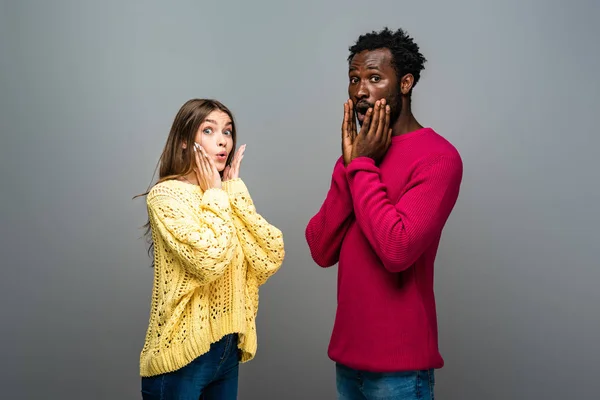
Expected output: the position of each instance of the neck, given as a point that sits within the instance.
(189, 178)
(406, 122)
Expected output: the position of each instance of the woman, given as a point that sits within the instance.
(212, 251)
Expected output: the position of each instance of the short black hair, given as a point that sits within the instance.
(406, 57)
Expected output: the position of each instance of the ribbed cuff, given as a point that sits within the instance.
(362, 164)
(235, 187)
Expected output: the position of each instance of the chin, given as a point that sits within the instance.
(221, 167)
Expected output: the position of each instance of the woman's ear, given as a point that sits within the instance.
(184, 145)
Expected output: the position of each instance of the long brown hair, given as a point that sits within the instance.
(175, 161)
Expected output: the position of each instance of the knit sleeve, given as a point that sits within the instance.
(326, 230)
(262, 243)
(201, 240)
(399, 233)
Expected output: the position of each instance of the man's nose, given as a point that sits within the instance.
(363, 91)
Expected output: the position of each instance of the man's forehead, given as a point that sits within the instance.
(372, 58)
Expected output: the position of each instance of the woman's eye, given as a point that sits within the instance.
(208, 131)
(227, 132)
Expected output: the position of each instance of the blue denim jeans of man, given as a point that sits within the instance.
(362, 385)
(212, 376)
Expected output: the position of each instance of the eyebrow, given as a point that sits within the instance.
(369, 67)
(215, 122)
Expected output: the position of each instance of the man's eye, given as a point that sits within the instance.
(375, 78)
(353, 80)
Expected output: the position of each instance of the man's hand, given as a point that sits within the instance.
(375, 135)
(348, 132)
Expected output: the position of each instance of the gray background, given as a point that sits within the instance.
(88, 91)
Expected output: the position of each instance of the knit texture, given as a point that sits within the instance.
(212, 251)
(382, 225)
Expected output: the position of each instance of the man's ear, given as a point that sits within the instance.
(406, 84)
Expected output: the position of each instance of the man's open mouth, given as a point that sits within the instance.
(361, 110)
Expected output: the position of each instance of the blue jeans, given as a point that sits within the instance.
(361, 385)
(213, 375)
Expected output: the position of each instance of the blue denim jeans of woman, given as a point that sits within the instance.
(212, 376)
(361, 385)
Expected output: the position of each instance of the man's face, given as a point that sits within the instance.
(372, 77)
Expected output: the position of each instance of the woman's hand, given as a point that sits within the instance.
(206, 171)
(233, 171)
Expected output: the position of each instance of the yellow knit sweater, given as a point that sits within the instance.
(212, 251)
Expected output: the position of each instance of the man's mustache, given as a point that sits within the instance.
(363, 106)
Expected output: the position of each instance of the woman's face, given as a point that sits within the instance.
(215, 135)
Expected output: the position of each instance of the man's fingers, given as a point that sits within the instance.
(345, 121)
(366, 122)
(387, 122)
(380, 120)
(375, 123)
(352, 122)
(384, 122)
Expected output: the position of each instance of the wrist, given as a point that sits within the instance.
(362, 163)
(236, 187)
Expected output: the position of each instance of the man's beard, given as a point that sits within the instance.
(395, 108)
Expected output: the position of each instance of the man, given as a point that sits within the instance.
(391, 193)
